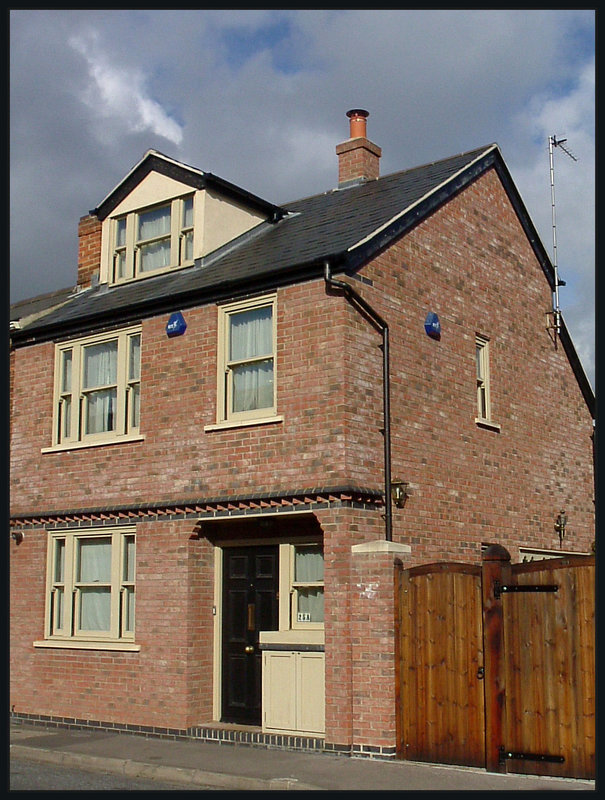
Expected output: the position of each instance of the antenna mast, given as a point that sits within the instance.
(552, 143)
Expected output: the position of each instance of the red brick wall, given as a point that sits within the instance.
(178, 459)
(343, 528)
(469, 262)
(372, 652)
(167, 684)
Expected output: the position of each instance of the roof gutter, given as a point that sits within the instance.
(379, 323)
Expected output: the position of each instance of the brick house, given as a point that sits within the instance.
(222, 407)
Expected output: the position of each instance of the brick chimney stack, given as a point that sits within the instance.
(89, 250)
(358, 157)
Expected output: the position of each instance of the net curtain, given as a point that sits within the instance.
(100, 370)
(251, 336)
(153, 224)
(94, 566)
(309, 568)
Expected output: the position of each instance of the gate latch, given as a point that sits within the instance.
(499, 588)
(504, 754)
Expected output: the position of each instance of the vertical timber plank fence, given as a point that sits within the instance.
(496, 664)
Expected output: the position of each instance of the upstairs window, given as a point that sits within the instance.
(152, 246)
(247, 360)
(98, 388)
(153, 240)
(482, 364)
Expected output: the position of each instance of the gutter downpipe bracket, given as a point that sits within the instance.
(380, 324)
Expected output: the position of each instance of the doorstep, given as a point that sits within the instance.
(228, 733)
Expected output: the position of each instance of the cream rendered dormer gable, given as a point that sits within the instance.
(165, 215)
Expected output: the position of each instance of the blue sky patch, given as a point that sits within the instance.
(244, 44)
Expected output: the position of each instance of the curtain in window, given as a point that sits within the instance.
(100, 370)
(121, 232)
(59, 590)
(94, 566)
(251, 336)
(188, 212)
(154, 224)
(309, 568)
(134, 367)
(128, 591)
(65, 400)
(311, 601)
(308, 565)
(134, 376)
(66, 381)
(187, 253)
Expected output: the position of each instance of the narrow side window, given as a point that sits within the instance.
(483, 388)
(307, 586)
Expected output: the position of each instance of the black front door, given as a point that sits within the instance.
(250, 605)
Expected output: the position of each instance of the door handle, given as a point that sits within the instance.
(481, 673)
(248, 649)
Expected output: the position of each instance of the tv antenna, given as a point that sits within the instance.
(552, 143)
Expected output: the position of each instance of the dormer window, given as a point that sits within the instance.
(153, 240)
(152, 248)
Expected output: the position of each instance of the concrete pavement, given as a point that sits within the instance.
(244, 767)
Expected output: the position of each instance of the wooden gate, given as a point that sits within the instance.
(496, 664)
(441, 657)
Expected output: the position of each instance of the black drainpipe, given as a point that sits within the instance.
(383, 328)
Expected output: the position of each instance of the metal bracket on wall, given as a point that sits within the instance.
(505, 754)
(500, 588)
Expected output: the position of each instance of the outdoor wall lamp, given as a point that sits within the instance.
(18, 536)
(560, 524)
(399, 493)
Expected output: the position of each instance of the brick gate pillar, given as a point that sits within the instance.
(373, 646)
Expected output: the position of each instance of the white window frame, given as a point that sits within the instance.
(296, 585)
(288, 588)
(224, 366)
(75, 396)
(483, 379)
(129, 250)
(64, 627)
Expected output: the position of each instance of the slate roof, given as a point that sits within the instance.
(22, 310)
(347, 226)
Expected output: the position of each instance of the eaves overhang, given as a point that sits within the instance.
(579, 372)
(220, 292)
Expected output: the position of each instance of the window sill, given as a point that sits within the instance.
(152, 273)
(59, 448)
(244, 423)
(75, 644)
(486, 423)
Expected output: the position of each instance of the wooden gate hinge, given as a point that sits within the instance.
(506, 754)
(500, 588)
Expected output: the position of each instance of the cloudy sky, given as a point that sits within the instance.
(259, 98)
